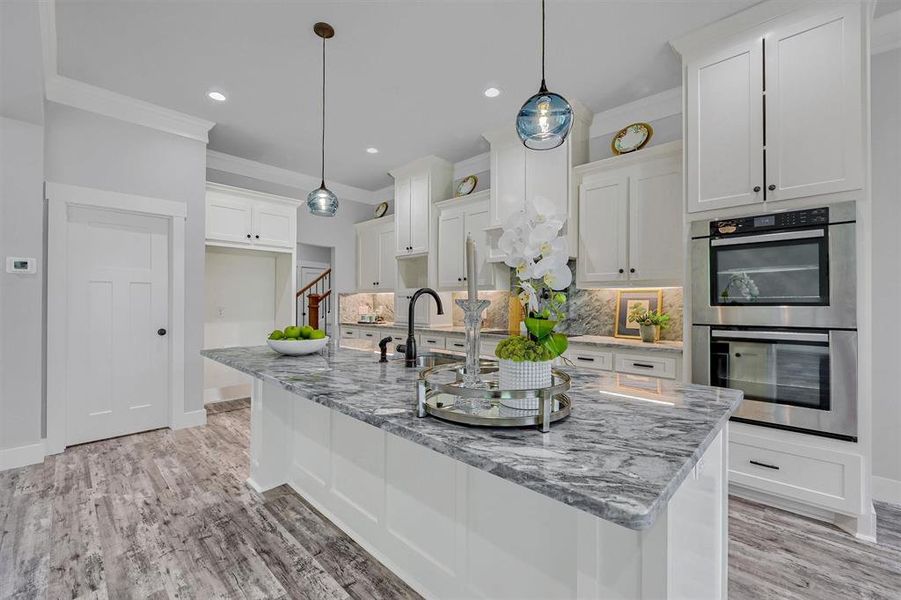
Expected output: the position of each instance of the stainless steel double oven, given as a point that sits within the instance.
(774, 314)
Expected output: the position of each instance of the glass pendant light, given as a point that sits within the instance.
(545, 119)
(322, 202)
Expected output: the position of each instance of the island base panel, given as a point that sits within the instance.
(451, 530)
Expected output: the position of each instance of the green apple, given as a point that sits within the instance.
(306, 331)
(277, 335)
(292, 331)
(317, 334)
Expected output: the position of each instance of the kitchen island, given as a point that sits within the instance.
(624, 499)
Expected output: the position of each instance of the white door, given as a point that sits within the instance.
(813, 106)
(117, 376)
(724, 129)
(476, 222)
(508, 181)
(402, 191)
(228, 219)
(387, 273)
(450, 251)
(655, 223)
(603, 230)
(420, 201)
(367, 258)
(273, 225)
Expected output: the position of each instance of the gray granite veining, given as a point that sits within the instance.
(627, 447)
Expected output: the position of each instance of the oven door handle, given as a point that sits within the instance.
(783, 336)
(779, 236)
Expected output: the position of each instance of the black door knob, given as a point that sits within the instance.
(771, 187)
(622, 271)
(161, 331)
(756, 188)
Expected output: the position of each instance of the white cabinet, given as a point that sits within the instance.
(416, 187)
(776, 113)
(244, 218)
(630, 219)
(457, 219)
(376, 263)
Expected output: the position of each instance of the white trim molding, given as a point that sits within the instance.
(472, 166)
(83, 196)
(647, 109)
(195, 418)
(887, 490)
(22, 456)
(885, 33)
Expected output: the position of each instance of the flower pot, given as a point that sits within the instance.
(649, 333)
(523, 375)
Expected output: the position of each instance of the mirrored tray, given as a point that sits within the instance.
(459, 410)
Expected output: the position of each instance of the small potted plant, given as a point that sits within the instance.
(650, 322)
(538, 254)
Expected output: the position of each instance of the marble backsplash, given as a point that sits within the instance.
(351, 306)
(495, 314)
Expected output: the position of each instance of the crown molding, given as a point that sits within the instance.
(472, 165)
(885, 33)
(228, 163)
(645, 110)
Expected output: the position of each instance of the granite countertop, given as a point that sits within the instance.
(627, 447)
(598, 341)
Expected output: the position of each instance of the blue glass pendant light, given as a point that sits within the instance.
(545, 119)
(322, 202)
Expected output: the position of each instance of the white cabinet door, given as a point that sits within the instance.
(724, 129)
(402, 191)
(451, 252)
(547, 178)
(273, 224)
(655, 222)
(228, 219)
(813, 106)
(508, 181)
(476, 221)
(367, 258)
(420, 202)
(603, 230)
(387, 271)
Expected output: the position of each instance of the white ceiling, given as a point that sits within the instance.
(404, 76)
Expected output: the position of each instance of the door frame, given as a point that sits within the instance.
(59, 198)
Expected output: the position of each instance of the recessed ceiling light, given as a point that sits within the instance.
(217, 96)
(492, 92)
(372, 150)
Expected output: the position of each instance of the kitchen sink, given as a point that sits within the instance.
(432, 359)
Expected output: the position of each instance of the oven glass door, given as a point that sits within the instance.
(785, 268)
(779, 367)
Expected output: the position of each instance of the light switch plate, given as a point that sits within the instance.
(17, 264)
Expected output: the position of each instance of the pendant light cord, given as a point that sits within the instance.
(322, 172)
(543, 84)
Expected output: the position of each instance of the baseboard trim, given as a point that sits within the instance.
(22, 456)
(195, 418)
(887, 490)
(226, 393)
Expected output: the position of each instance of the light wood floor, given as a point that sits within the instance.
(166, 514)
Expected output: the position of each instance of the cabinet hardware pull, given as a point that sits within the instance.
(459, 279)
(585, 358)
(248, 236)
(458, 344)
(764, 465)
(161, 331)
(622, 270)
(771, 187)
(643, 365)
(756, 188)
(258, 236)
(632, 270)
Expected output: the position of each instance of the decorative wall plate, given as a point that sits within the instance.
(381, 209)
(467, 185)
(631, 138)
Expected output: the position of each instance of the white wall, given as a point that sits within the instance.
(240, 311)
(91, 150)
(886, 148)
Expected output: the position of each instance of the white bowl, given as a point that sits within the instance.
(297, 347)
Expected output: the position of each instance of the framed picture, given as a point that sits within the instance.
(626, 301)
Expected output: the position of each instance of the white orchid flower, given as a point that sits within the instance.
(529, 296)
(559, 278)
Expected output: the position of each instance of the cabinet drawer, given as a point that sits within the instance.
(590, 359)
(455, 344)
(815, 476)
(646, 365)
(431, 341)
(369, 334)
(349, 334)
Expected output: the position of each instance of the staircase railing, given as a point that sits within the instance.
(315, 301)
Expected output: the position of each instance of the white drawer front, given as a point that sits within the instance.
(829, 479)
(369, 334)
(436, 342)
(646, 365)
(455, 344)
(590, 359)
(349, 334)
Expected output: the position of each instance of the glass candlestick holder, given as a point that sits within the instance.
(472, 323)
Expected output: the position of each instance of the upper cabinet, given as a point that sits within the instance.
(519, 176)
(376, 263)
(416, 187)
(243, 218)
(457, 219)
(775, 113)
(630, 219)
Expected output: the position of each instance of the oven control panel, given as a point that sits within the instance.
(785, 220)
